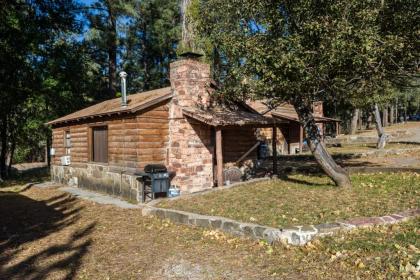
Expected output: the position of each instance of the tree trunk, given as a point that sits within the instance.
(381, 134)
(48, 153)
(144, 61)
(354, 118)
(360, 120)
(368, 122)
(338, 174)
(112, 51)
(187, 31)
(11, 154)
(385, 116)
(391, 115)
(3, 152)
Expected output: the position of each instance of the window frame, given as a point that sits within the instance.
(67, 141)
(67, 133)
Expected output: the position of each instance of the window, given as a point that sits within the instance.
(100, 144)
(67, 141)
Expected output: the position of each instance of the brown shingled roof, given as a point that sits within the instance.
(226, 117)
(136, 102)
(284, 111)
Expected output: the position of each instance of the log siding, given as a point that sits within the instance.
(133, 141)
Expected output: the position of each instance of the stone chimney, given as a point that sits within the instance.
(190, 150)
(190, 79)
(318, 108)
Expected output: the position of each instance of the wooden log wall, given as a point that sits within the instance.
(236, 142)
(133, 140)
(79, 144)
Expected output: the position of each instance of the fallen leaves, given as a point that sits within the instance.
(252, 219)
(359, 264)
(214, 234)
(310, 200)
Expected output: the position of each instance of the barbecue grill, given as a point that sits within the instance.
(155, 179)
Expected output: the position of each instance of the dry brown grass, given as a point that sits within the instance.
(47, 234)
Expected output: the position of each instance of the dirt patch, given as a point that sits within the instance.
(48, 234)
(52, 235)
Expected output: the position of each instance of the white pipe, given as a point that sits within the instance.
(123, 76)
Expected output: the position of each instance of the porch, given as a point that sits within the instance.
(235, 140)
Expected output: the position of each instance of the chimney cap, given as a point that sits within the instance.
(123, 74)
(190, 54)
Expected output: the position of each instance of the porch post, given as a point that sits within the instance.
(274, 143)
(300, 139)
(337, 128)
(219, 157)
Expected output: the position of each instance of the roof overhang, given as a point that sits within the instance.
(121, 111)
(295, 119)
(227, 118)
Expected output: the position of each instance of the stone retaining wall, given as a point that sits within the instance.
(298, 235)
(99, 178)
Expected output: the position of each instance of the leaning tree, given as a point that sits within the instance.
(303, 51)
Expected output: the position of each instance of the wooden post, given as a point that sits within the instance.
(274, 143)
(219, 157)
(337, 128)
(300, 139)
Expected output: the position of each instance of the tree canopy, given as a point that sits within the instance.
(304, 51)
(60, 56)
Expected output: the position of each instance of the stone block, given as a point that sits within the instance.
(328, 228)
(259, 231)
(295, 239)
(231, 227)
(291, 229)
(158, 213)
(248, 230)
(216, 223)
(308, 228)
(202, 222)
(177, 217)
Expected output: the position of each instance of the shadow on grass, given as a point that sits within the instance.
(37, 174)
(26, 220)
(287, 178)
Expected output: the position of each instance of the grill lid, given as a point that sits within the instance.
(155, 168)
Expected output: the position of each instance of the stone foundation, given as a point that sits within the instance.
(99, 178)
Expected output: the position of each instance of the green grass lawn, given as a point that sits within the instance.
(384, 252)
(304, 199)
(361, 148)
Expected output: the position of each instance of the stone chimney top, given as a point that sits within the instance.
(190, 80)
(190, 55)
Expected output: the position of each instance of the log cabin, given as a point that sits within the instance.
(177, 126)
(204, 144)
